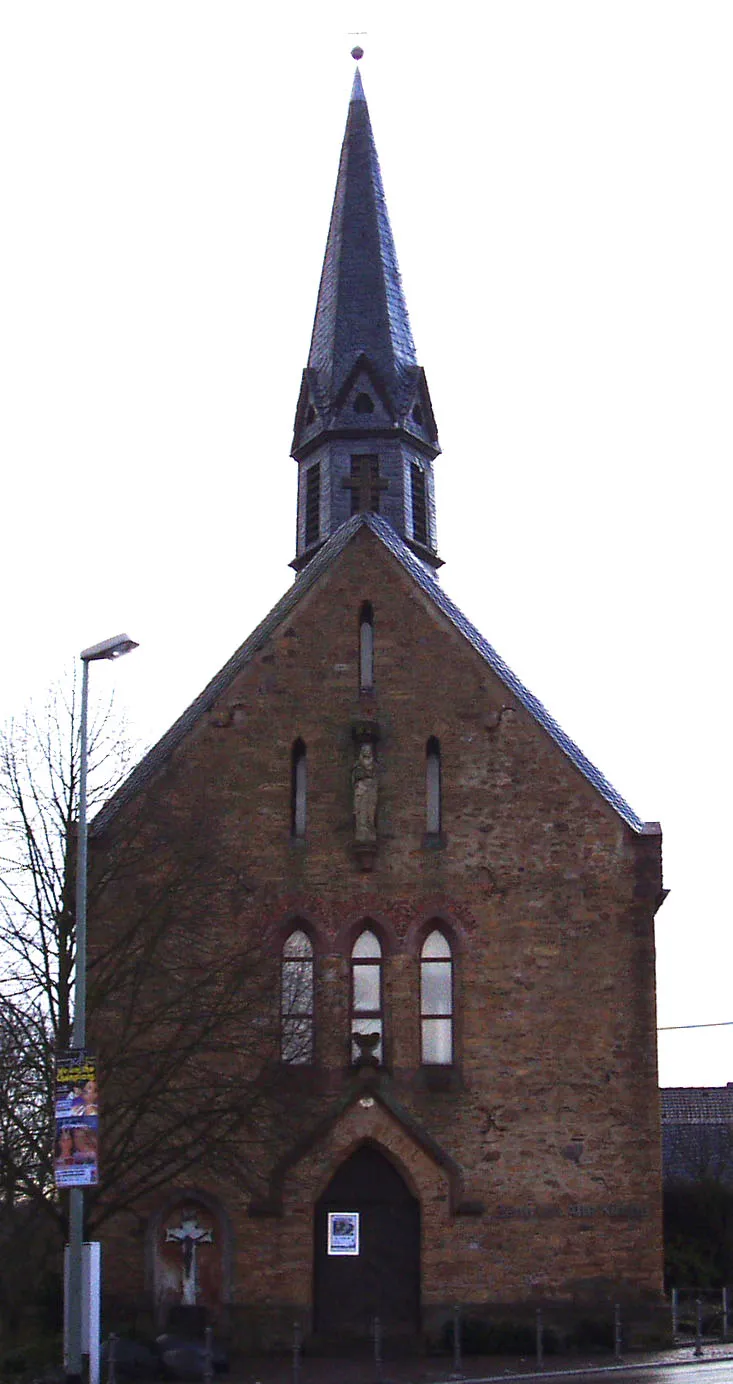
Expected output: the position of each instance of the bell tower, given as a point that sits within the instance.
(365, 436)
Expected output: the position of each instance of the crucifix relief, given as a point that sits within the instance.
(189, 1235)
(365, 483)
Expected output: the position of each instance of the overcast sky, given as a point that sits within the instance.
(559, 182)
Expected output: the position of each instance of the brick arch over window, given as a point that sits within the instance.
(378, 923)
(459, 931)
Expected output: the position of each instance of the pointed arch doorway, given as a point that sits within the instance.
(381, 1279)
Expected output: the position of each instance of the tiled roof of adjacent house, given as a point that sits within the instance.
(157, 756)
(697, 1133)
(697, 1104)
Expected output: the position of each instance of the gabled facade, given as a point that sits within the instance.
(452, 911)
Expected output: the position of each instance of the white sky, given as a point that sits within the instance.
(559, 182)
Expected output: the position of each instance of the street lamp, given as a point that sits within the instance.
(109, 648)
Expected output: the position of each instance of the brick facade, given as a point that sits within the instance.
(535, 1157)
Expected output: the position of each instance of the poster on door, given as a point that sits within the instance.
(343, 1232)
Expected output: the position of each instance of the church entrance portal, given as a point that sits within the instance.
(373, 1267)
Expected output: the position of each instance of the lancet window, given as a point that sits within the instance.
(296, 999)
(366, 648)
(367, 1016)
(298, 789)
(436, 1000)
(433, 805)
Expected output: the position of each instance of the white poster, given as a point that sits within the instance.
(343, 1232)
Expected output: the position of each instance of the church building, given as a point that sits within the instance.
(438, 1083)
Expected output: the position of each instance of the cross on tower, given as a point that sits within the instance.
(365, 483)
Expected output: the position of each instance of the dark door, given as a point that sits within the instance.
(383, 1279)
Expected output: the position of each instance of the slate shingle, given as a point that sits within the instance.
(361, 308)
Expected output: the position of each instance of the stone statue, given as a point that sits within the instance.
(364, 783)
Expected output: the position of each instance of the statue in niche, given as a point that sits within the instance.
(364, 784)
(189, 1234)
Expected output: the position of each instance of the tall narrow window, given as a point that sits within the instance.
(366, 647)
(436, 1000)
(419, 505)
(296, 999)
(432, 787)
(298, 789)
(313, 504)
(366, 995)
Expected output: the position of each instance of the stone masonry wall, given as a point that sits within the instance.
(551, 1111)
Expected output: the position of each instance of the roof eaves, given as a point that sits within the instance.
(156, 757)
(523, 695)
(160, 752)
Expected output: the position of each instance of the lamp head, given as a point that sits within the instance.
(109, 648)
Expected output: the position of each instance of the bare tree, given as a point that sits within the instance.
(183, 1005)
(183, 1009)
(39, 799)
(25, 1116)
(39, 786)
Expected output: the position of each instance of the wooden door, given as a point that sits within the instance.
(383, 1279)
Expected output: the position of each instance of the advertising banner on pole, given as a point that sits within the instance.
(77, 1120)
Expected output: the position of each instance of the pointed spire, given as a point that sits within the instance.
(361, 308)
(365, 435)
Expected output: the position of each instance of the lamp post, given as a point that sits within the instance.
(109, 648)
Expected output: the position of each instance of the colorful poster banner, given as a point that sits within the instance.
(75, 1160)
(343, 1232)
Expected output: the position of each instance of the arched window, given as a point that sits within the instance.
(436, 1000)
(296, 999)
(366, 994)
(298, 789)
(432, 787)
(366, 648)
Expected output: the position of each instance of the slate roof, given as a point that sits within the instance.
(697, 1132)
(308, 578)
(361, 307)
(697, 1104)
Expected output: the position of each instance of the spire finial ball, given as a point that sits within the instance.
(357, 53)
